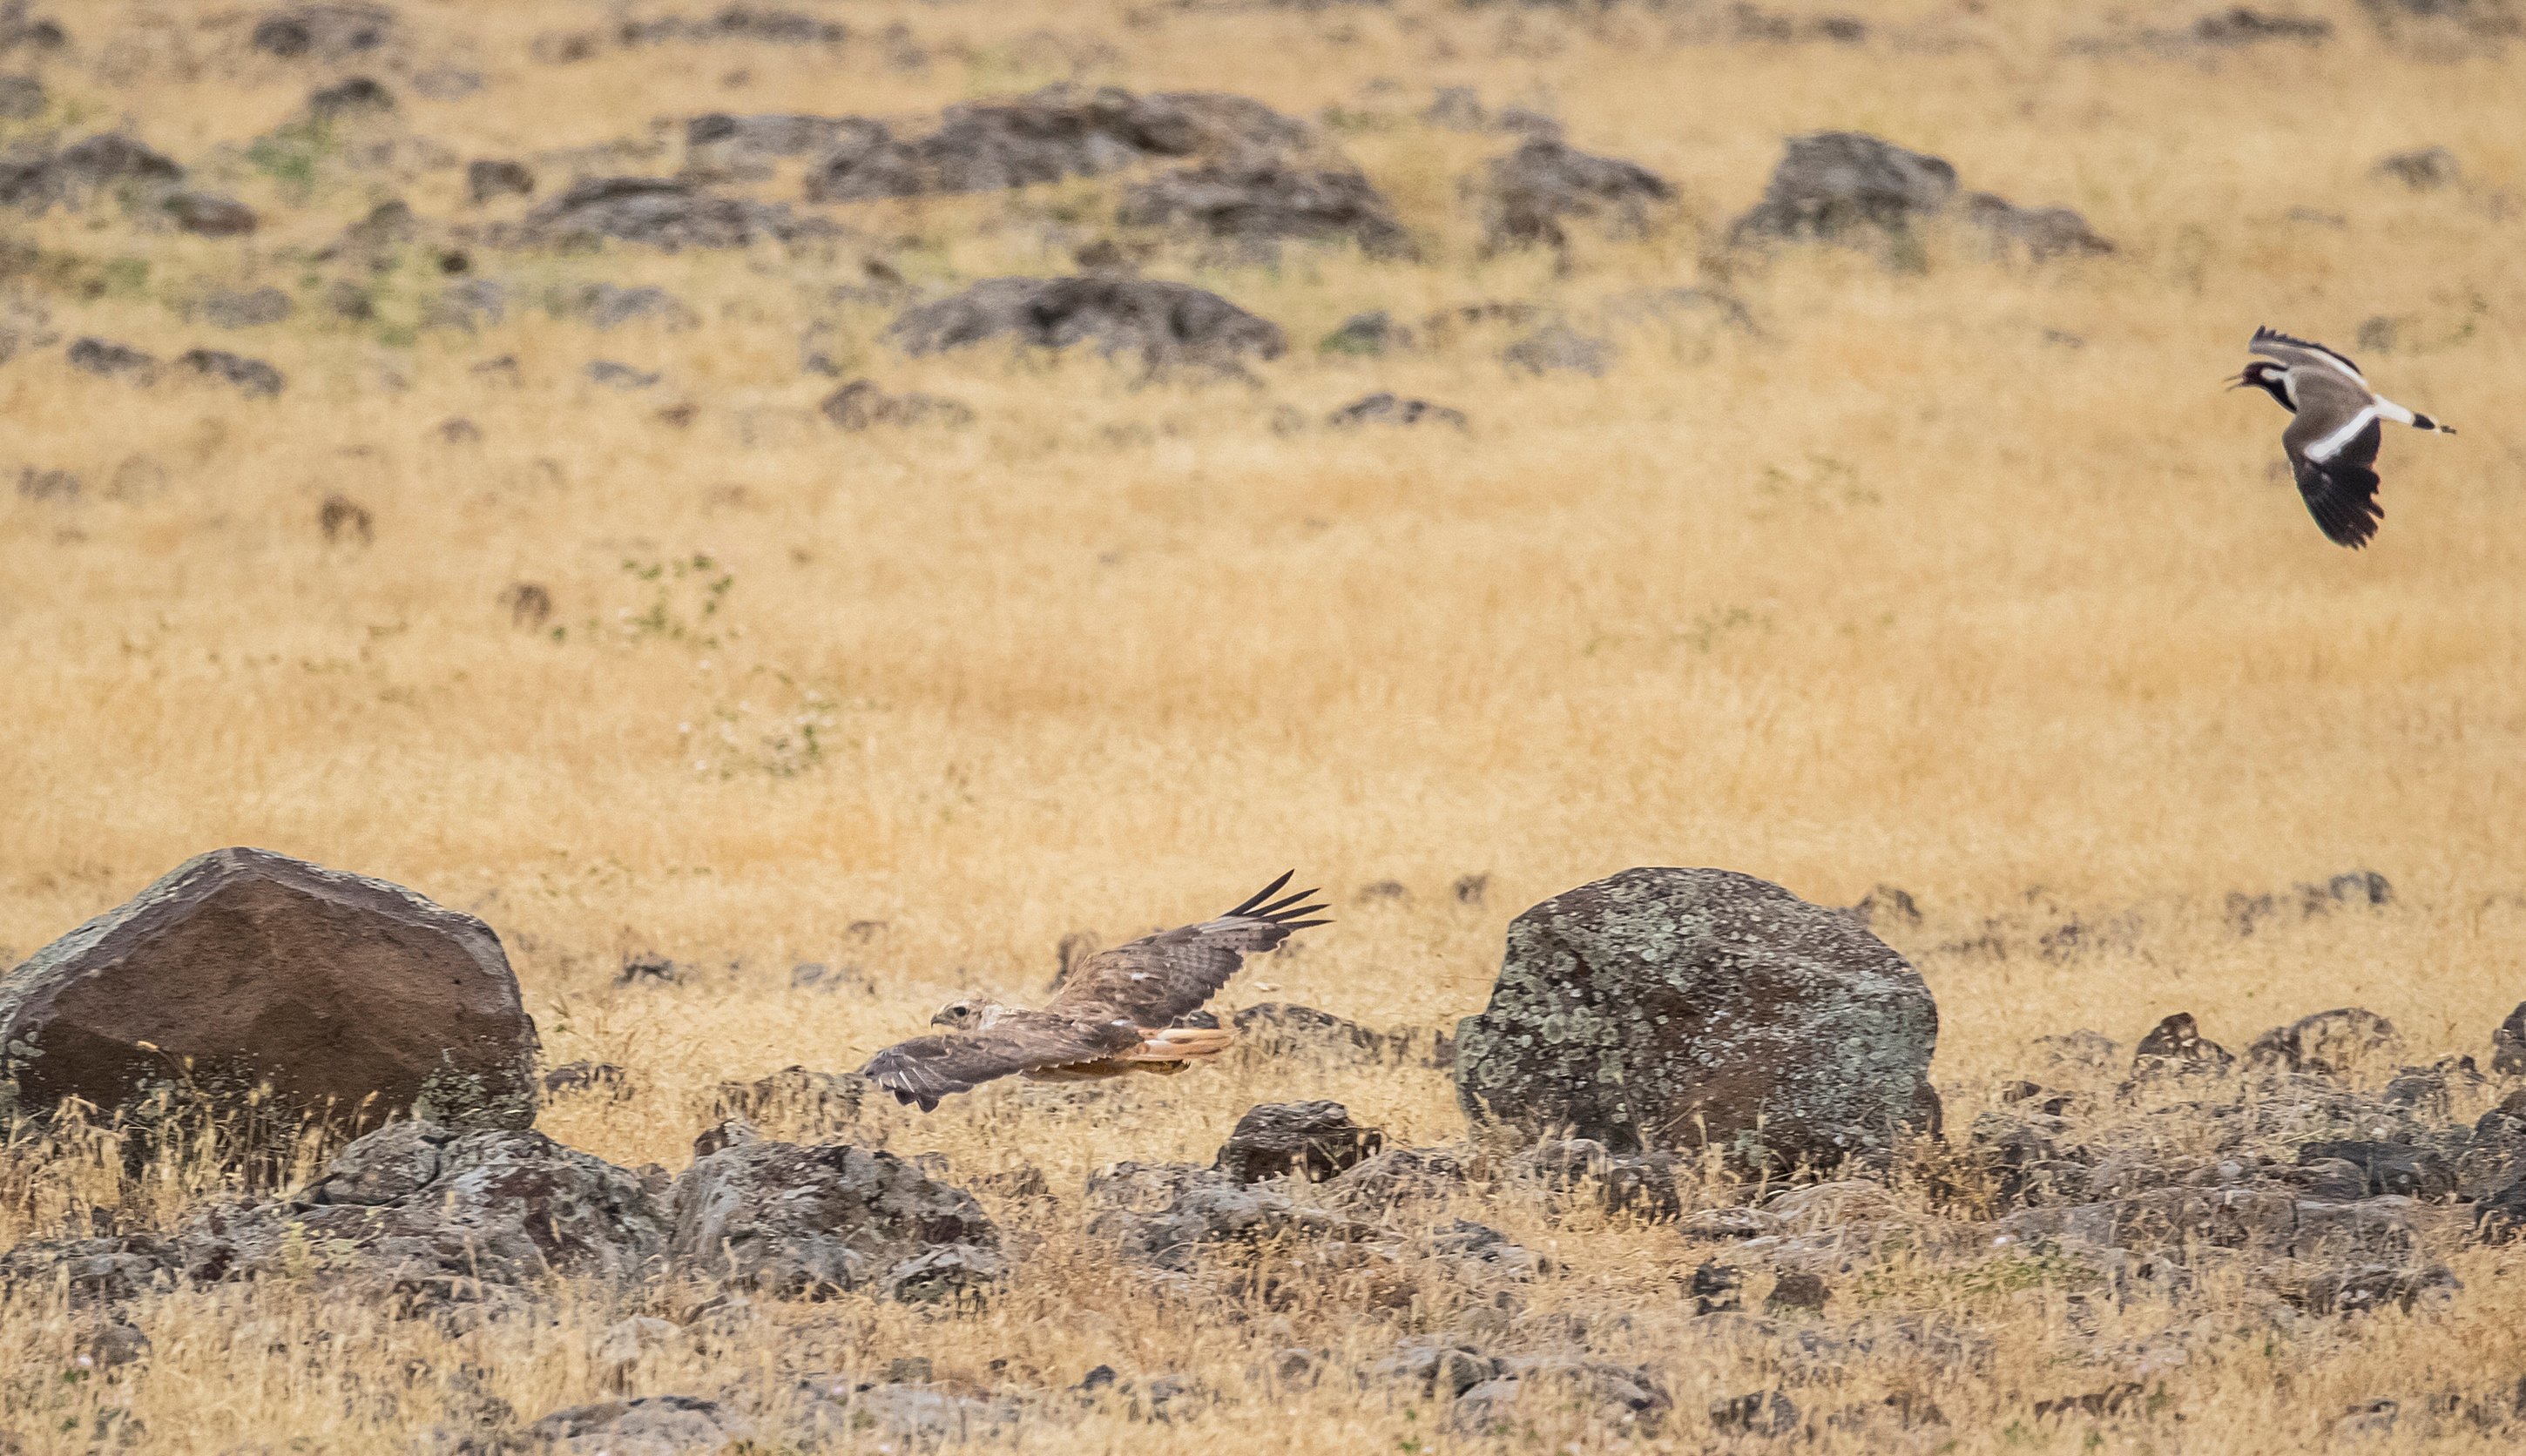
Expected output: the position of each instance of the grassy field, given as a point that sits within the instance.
(1964, 577)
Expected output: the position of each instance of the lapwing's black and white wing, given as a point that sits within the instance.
(2331, 443)
(927, 1067)
(2298, 353)
(1156, 978)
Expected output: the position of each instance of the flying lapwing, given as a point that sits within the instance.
(2332, 444)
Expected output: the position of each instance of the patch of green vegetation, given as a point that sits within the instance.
(291, 154)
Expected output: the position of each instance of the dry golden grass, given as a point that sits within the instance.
(1900, 589)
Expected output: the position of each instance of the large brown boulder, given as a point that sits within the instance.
(1666, 1008)
(350, 997)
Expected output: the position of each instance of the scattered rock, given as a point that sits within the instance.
(651, 1425)
(21, 98)
(1386, 408)
(1374, 1186)
(739, 21)
(424, 1210)
(252, 378)
(358, 96)
(1256, 203)
(1312, 1140)
(1367, 334)
(1061, 131)
(1886, 905)
(584, 1078)
(323, 33)
(488, 178)
(471, 306)
(2390, 1168)
(1641, 1184)
(610, 306)
(1165, 324)
(83, 170)
(1763, 1413)
(1532, 192)
(2042, 232)
(351, 997)
(918, 1414)
(1798, 1294)
(343, 518)
(614, 375)
(1166, 1215)
(2327, 1044)
(2176, 1047)
(1664, 1008)
(659, 213)
(208, 214)
(1716, 1289)
(807, 1222)
(1624, 1397)
(1832, 184)
(2509, 1045)
(2422, 168)
(2241, 25)
(1557, 347)
(112, 361)
(861, 405)
(226, 308)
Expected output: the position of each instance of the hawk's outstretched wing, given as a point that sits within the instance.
(929, 1068)
(1154, 980)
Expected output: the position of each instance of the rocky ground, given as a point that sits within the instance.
(776, 512)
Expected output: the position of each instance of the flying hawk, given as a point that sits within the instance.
(1114, 1012)
(2331, 443)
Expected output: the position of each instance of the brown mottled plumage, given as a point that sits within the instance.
(1114, 1011)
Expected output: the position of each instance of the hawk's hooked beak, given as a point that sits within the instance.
(943, 1018)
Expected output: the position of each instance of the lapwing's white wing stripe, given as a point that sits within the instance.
(2331, 361)
(2392, 411)
(2331, 445)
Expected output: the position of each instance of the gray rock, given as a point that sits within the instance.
(861, 405)
(487, 179)
(1166, 1215)
(2042, 234)
(227, 308)
(471, 306)
(1388, 408)
(1765, 1412)
(916, 1414)
(323, 33)
(22, 98)
(1624, 1398)
(354, 97)
(807, 1222)
(1664, 1007)
(2327, 1044)
(1584, 1169)
(1165, 324)
(2422, 168)
(652, 1425)
(93, 1272)
(1061, 131)
(1368, 334)
(760, 24)
(349, 997)
(611, 305)
(2509, 1045)
(108, 359)
(1314, 1141)
(82, 172)
(1532, 194)
(1834, 184)
(1375, 1187)
(722, 137)
(1257, 203)
(614, 375)
(659, 213)
(251, 378)
(1557, 347)
(2396, 1167)
(420, 1209)
(210, 215)
(2176, 1047)
(1438, 1365)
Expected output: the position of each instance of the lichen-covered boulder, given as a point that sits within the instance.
(1671, 1008)
(807, 1222)
(352, 998)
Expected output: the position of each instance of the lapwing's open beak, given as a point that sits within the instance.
(2239, 383)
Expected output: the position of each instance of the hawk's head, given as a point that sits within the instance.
(971, 1012)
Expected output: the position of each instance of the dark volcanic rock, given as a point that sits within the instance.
(1663, 1008)
(1313, 1139)
(108, 359)
(2329, 1043)
(1398, 1176)
(1530, 193)
(740, 21)
(1642, 1183)
(253, 377)
(661, 213)
(359, 96)
(2422, 168)
(227, 308)
(2509, 1045)
(2176, 1047)
(1165, 324)
(2391, 1167)
(426, 1209)
(79, 173)
(861, 405)
(1386, 408)
(208, 214)
(1832, 183)
(1061, 131)
(2241, 25)
(347, 994)
(490, 177)
(1255, 203)
(795, 1222)
(325, 33)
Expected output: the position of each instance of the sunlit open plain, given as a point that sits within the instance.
(1931, 568)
